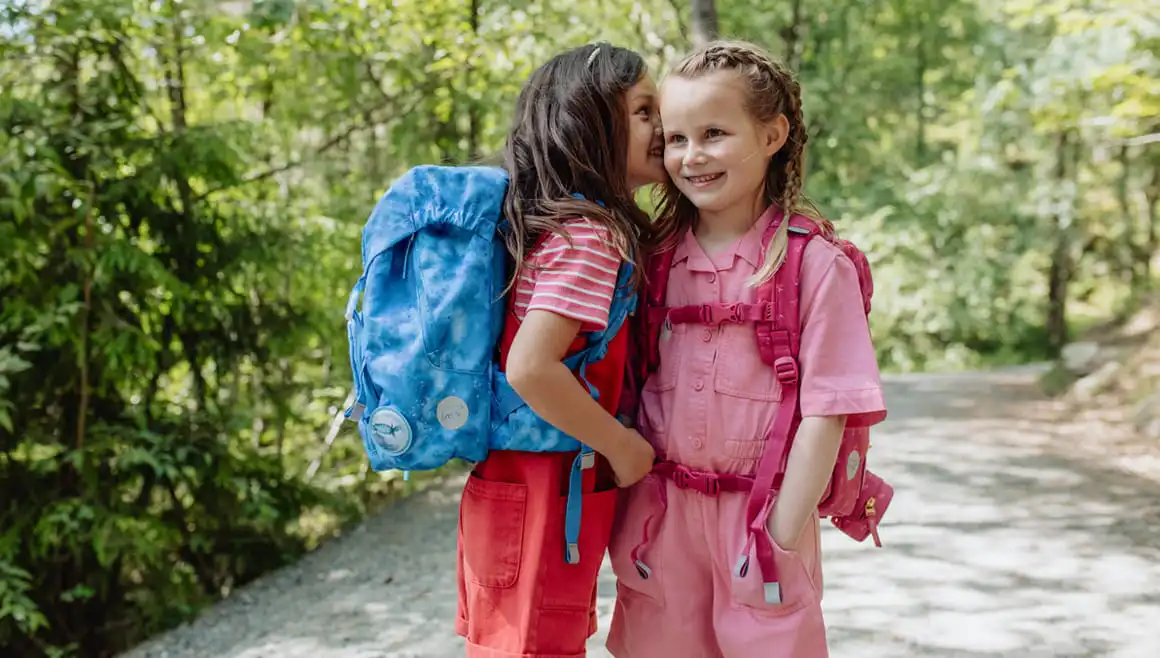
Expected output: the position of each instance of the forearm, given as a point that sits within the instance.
(554, 393)
(807, 472)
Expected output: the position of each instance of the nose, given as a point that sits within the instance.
(693, 154)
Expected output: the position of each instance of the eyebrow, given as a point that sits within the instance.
(704, 127)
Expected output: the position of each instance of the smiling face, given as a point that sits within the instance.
(645, 146)
(716, 153)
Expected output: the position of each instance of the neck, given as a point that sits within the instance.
(732, 221)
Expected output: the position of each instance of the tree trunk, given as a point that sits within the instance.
(473, 103)
(704, 22)
(920, 113)
(1151, 198)
(1135, 251)
(1059, 273)
(791, 35)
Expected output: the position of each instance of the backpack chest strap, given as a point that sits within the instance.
(716, 314)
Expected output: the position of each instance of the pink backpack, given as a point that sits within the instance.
(855, 498)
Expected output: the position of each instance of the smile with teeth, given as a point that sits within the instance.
(704, 179)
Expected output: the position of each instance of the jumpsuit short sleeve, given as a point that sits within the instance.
(839, 369)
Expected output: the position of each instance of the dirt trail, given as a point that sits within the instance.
(997, 544)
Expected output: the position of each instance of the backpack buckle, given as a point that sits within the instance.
(786, 369)
(706, 483)
(714, 314)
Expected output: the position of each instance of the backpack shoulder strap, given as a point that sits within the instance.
(655, 312)
(623, 304)
(778, 341)
(780, 337)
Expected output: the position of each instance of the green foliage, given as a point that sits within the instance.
(182, 186)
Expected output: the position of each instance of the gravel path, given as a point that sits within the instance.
(996, 544)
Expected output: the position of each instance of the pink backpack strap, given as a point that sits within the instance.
(778, 342)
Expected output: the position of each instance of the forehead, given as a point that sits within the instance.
(644, 88)
(718, 97)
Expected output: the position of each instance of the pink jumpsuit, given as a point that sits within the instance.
(708, 407)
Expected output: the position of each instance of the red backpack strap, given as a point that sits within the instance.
(645, 330)
(655, 312)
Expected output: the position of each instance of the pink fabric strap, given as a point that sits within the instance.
(778, 342)
(715, 314)
(705, 482)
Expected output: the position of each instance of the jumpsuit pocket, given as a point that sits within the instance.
(744, 375)
(639, 518)
(573, 586)
(797, 587)
(491, 515)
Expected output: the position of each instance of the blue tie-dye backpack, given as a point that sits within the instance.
(424, 346)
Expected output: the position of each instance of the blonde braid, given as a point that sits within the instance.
(772, 90)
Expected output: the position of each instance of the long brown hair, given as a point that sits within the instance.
(570, 136)
(771, 89)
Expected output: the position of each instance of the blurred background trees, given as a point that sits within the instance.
(183, 182)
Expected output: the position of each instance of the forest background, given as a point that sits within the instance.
(183, 183)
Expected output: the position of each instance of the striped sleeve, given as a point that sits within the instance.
(574, 280)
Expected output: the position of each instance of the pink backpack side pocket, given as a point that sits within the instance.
(869, 510)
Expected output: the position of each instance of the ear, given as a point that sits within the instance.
(776, 134)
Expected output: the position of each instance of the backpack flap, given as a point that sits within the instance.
(429, 196)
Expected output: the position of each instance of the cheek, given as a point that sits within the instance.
(645, 134)
(672, 161)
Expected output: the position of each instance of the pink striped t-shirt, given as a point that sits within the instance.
(573, 280)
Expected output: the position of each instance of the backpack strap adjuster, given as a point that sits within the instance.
(715, 314)
(786, 368)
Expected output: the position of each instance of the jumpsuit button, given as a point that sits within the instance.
(707, 335)
(698, 443)
(700, 385)
(712, 278)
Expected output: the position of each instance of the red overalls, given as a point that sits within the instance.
(518, 598)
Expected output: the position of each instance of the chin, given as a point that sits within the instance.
(707, 202)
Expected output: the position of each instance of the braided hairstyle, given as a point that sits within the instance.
(772, 90)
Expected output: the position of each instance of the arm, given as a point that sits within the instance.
(840, 385)
(572, 293)
(807, 472)
(538, 375)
